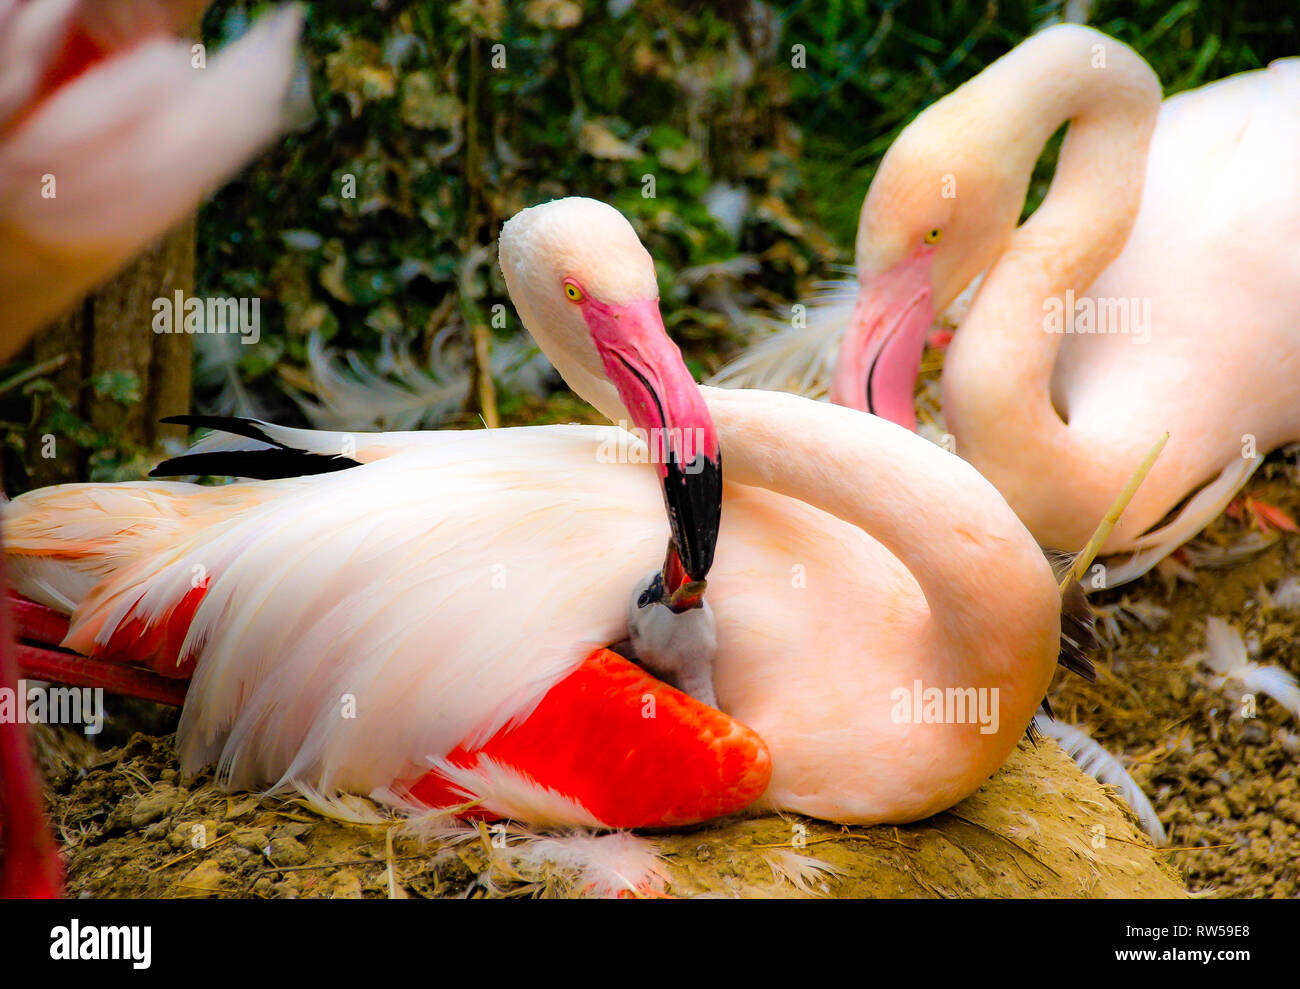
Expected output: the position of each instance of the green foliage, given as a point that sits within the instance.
(120, 386)
(107, 456)
(419, 143)
(421, 146)
(444, 144)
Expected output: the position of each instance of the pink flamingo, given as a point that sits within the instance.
(100, 152)
(455, 592)
(1157, 288)
(110, 134)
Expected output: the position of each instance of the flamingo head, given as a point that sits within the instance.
(942, 204)
(585, 288)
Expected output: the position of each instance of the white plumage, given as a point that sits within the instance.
(357, 626)
(447, 585)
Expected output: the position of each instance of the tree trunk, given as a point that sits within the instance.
(112, 331)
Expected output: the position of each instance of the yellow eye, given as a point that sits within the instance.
(933, 236)
(573, 293)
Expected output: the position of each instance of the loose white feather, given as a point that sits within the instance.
(1226, 654)
(506, 792)
(1114, 619)
(614, 863)
(1201, 555)
(800, 871)
(602, 865)
(1105, 768)
(1225, 648)
(1286, 595)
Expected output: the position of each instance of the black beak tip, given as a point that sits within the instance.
(693, 495)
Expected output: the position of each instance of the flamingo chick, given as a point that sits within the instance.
(672, 632)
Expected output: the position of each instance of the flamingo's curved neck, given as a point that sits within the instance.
(998, 376)
(959, 539)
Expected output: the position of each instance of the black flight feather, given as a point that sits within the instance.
(1078, 635)
(264, 465)
(1078, 639)
(236, 425)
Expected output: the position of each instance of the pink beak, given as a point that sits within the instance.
(663, 399)
(880, 356)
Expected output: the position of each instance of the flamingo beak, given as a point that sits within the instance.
(680, 592)
(880, 356)
(672, 588)
(665, 402)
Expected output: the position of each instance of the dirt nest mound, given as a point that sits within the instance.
(132, 827)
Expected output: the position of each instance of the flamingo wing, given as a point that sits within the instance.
(442, 609)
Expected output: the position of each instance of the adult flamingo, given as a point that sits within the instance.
(454, 591)
(99, 154)
(1187, 214)
(110, 134)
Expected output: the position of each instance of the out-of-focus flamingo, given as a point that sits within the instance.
(29, 866)
(1175, 229)
(108, 135)
(453, 591)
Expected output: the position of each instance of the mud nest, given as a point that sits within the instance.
(132, 827)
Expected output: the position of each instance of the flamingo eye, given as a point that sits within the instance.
(933, 236)
(573, 293)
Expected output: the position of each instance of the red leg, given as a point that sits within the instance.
(631, 750)
(78, 671)
(36, 623)
(1260, 514)
(40, 658)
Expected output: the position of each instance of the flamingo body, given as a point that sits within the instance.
(440, 605)
(1214, 256)
(311, 598)
(1207, 257)
(1186, 215)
